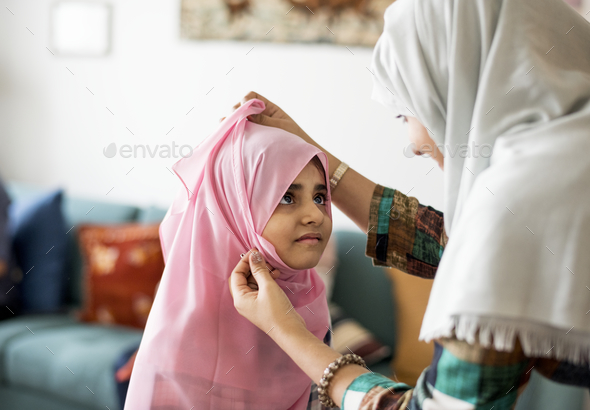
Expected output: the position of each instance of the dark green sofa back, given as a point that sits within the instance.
(362, 289)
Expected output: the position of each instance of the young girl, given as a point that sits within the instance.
(245, 186)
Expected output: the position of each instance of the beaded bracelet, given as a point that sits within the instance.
(324, 383)
(338, 174)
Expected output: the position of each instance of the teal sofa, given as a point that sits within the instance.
(54, 362)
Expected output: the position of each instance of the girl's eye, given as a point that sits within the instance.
(286, 200)
(322, 199)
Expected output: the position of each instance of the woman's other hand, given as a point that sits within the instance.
(124, 372)
(272, 116)
(268, 306)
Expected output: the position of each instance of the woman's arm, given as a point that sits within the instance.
(313, 356)
(401, 232)
(460, 374)
(354, 191)
(266, 308)
(405, 234)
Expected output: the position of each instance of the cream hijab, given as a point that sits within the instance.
(504, 89)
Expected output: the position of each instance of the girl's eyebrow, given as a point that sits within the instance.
(318, 187)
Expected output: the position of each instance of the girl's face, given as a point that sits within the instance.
(300, 227)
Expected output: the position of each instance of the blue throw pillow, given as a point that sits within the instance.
(9, 294)
(38, 231)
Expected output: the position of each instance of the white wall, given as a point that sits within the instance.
(53, 130)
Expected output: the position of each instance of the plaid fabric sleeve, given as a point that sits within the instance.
(460, 376)
(404, 234)
(371, 391)
(471, 377)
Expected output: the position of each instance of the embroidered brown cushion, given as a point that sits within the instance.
(123, 263)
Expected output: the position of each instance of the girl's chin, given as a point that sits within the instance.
(305, 260)
(301, 257)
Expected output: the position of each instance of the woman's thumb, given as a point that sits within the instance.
(259, 269)
(264, 120)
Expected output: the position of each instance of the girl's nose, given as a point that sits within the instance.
(312, 214)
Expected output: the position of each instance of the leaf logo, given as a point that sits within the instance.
(110, 151)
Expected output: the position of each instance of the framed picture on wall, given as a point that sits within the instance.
(349, 22)
(80, 28)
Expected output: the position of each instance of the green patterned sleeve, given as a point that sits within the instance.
(376, 392)
(404, 234)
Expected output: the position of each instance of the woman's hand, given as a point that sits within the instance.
(272, 116)
(271, 310)
(354, 193)
(268, 306)
(124, 372)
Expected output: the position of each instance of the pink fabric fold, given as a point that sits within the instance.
(197, 352)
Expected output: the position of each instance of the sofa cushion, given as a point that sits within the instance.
(38, 231)
(78, 211)
(22, 398)
(20, 327)
(10, 273)
(73, 361)
(123, 264)
(151, 214)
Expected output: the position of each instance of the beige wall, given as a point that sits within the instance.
(411, 296)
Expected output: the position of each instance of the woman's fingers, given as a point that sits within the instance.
(238, 280)
(260, 271)
(268, 306)
(243, 270)
(251, 95)
(252, 284)
(124, 372)
(272, 116)
(270, 109)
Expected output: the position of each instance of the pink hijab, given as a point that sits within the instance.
(197, 352)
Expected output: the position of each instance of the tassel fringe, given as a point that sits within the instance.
(537, 340)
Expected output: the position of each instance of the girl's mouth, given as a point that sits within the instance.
(308, 241)
(309, 238)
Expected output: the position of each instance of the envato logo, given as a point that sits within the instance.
(463, 150)
(133, 151)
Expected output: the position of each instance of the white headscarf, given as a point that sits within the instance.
(510, 81)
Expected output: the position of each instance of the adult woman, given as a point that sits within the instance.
(509, 294)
